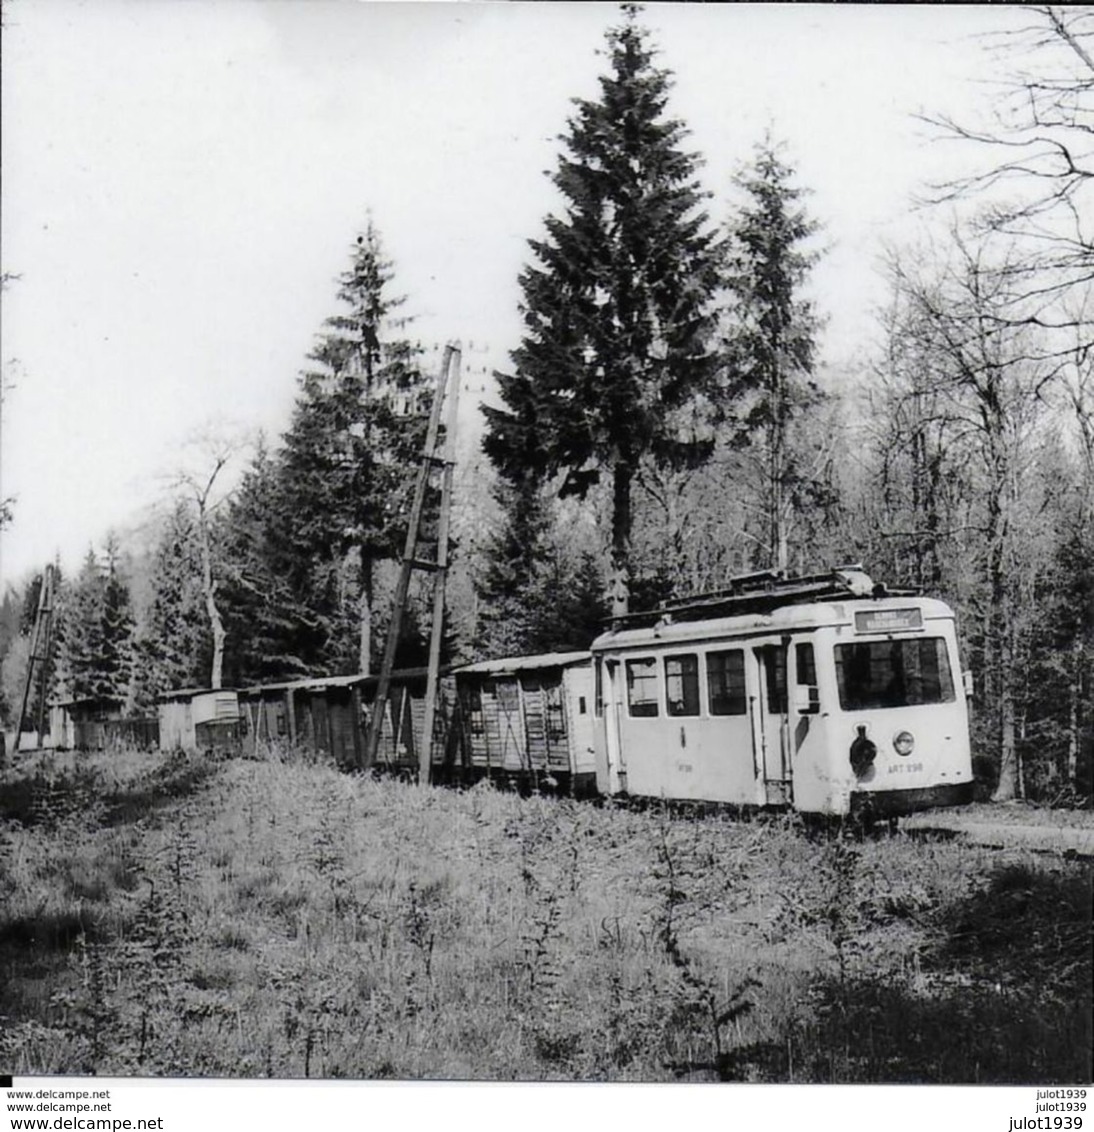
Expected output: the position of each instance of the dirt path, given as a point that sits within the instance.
(1004, 830)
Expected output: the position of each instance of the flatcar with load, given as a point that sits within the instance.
(828, 694)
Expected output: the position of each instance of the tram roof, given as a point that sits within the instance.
(802, 616)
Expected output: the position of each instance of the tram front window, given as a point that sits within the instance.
(888, 674)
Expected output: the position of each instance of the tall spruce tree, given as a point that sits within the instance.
(537, 594)
(173, 643)
(507, 582)
(770, 341)
(348, 456)
(270, 633)
(114, 661)
(98, 626)
(83, 622)
(617, 305)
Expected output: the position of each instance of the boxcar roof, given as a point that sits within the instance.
(520, 663)
(83, 701)
(790, 617)
(318, 683)
(190, 693)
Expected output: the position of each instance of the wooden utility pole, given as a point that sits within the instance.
(41, 641)
(447, 379)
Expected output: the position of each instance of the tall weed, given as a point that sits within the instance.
(276, 917)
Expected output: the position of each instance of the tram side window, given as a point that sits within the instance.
(806, 666)
(642, 687)
(682, 684)
(774, 662)
(895, 673)
(726, 682)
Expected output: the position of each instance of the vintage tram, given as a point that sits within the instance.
(828, 694)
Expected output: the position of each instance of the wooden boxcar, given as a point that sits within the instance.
(82, 724)
(402, 733)
(265, 714)
(193, 719)
(329, 716)
(326, 716)
(62, 727)
(528, 719)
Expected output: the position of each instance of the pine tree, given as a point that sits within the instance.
(349, 455)
(571, 609)
(270, 634)
(114, 662)
(770, 344)
(507, 585)
(617, 304)
(172, 645)
(83, 625)
(96, 661)
(536, 594)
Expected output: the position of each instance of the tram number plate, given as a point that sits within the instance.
(888, 620)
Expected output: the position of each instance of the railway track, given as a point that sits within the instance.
(1073, 840)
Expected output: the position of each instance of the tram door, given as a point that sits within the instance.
(772, 728)
(610, 695)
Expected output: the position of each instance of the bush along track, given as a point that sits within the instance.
(182, 916)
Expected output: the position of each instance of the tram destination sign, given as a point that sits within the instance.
(888, 620)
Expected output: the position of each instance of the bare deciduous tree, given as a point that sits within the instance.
(981, 384)
(202, 481)
(1038, 185)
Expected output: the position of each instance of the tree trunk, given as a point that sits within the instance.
(1002, 622)
(216, 677)
(1009, 775)
(779, 519)
(1074, 692)
(778, 551)
(209, 586)
(364, 655)
(622, 478)
(934, 525)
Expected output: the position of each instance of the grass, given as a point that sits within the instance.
(183, 916)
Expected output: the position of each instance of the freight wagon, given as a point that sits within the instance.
(193, 719)
(329, 716)
(528, 720)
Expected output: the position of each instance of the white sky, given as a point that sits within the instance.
(182, 183)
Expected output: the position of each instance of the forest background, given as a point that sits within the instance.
(666, 423)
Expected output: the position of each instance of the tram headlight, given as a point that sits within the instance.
(904, 743)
